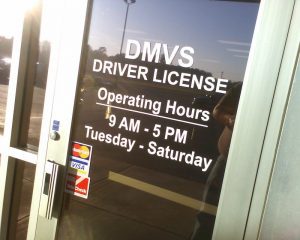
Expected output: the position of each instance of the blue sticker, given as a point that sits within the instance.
(55, 125)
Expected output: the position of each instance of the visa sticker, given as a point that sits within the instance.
(77, 166)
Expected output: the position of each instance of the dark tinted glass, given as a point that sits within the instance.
(156, 106)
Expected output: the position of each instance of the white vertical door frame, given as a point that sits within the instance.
(252, 120)
(268, 165)
(59, 104)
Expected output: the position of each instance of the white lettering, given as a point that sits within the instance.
(189, 158)
(116, 140)
(188, 57)
(151, 52)
(137, 49)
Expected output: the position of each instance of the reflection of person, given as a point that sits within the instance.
(224, 113)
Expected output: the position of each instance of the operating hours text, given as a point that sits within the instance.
(134, 125)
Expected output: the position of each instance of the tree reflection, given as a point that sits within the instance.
(5, 56)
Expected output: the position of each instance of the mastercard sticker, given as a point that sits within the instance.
(82, 151)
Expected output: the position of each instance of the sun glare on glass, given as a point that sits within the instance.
(10, 10)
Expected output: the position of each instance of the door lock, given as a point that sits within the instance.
(54, 135)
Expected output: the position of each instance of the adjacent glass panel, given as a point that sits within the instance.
(38, 96)
(156, 106)
(22, 199)
(6, 40)
(38, 62)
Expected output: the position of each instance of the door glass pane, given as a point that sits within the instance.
(22, 198)
(31, 134)
(154, 117)
(38, 62)
(6, 40)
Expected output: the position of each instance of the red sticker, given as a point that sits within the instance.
(78, 185)
(75, 150)
(81, 150)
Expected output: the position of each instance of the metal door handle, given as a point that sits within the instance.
(49, 189)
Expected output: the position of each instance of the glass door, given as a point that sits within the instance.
(157, 100)
(30, 32)
(155, 107)
(142, 100)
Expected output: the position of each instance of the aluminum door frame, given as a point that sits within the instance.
(277, 142)
(70, 17)
(252, 152)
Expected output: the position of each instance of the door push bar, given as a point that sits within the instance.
(51, 176)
